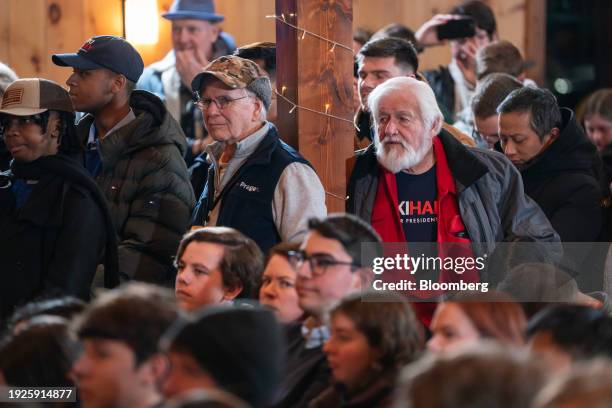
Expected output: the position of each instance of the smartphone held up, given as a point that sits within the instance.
(455, 29)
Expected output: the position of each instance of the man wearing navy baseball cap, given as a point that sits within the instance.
(196, 39)
(134, 151)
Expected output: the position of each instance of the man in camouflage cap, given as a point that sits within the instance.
(256, 183)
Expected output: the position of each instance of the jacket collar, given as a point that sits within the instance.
(263, 152)
(465, 167)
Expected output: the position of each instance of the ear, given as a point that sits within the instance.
(363, 278)
(215, 30)
(436, 126)
(53, 127)
(231, 293)
(551, 136)
(118, 84)
(154, 369)
(257, 111)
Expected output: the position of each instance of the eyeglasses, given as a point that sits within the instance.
(488, 139)
(222, 102)
(7, 120)
(318, 263)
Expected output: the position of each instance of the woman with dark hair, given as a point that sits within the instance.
(40, 355)
(277, 289)
(369, 343)
(470, 317)
(54, 222)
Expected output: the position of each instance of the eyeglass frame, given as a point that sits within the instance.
(221, 105)
(297, 259)
(36, 119)
(39, 119)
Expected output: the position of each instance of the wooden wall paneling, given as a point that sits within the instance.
(4, 32)
(154, 52)
(101, 17)
(62, 17)
(373, 15)
(510, 15)
(246, 20)
(24, 47)
(535, 39)
(27, 51)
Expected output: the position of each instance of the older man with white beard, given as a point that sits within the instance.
(417, 183)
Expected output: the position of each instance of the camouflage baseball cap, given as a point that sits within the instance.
(237, 73)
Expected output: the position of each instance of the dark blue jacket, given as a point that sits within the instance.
(246, 200)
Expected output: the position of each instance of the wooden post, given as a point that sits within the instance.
(535, 39)
(314, 74)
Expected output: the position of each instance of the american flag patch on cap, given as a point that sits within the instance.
(12, 97)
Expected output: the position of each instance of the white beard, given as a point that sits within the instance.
(398, 156)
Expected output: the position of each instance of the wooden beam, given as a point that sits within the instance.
(316, 75)
(535, 39)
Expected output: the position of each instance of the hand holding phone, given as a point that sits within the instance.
(458, 28)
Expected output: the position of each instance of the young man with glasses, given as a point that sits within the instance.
(135, 153)
(330, 265)
(256, 183)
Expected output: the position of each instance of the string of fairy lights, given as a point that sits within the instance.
(334, 44)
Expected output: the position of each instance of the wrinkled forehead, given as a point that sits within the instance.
(398, 101)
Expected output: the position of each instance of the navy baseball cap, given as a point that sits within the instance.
(105, 51)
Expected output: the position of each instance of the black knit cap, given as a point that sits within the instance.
(241, 347)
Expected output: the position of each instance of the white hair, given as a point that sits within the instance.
(430, 112)
(388, 153)
(263, 112)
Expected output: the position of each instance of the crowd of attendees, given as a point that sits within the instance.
(169, 249)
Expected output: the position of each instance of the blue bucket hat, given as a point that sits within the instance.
(193, 9)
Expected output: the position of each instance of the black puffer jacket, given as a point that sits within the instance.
(146, 184)
(563, 183)
(443, 85)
